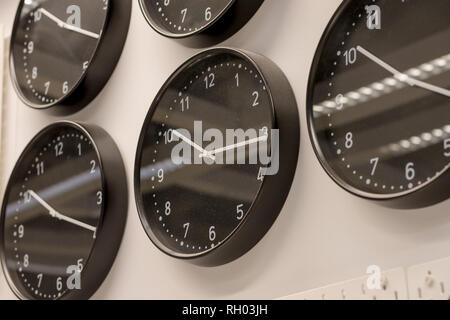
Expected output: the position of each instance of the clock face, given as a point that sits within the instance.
(53, 44)
(180, 18)
(379, 96)
(197, 172)
(51, 212)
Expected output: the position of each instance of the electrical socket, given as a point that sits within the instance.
(430, 281)
(393, 284)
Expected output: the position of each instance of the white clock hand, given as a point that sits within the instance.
(204, 153)
(236, 146)
(401, 76)
(55, 214)
(67, 26)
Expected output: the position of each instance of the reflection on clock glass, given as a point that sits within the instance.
(380, 96)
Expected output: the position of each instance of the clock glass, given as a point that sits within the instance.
(53, 45)
(379, 98)
(53, 215)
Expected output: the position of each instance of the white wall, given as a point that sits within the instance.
(324, 235)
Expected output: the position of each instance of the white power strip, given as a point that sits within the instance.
(429, 281)
(392, 287)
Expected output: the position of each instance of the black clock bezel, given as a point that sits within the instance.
(266, 208)
(430, 193)
(227, 23)
(103, 62)
(113, 216)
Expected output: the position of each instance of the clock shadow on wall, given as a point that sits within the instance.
(63, 53)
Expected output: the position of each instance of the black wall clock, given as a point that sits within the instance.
(63, 52)
(63, 213)
(211, 203)
(200, 22)
(379, 101)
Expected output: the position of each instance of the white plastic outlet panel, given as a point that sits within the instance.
(430, 281)
(393, 287)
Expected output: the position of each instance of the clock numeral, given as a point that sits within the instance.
(350, 56)
(47, 86)
(212, 233)
(237, 79)
(168, 208)
(340, 101)
(79, 149)
(208, 14)
(99, 198)
(410, 172)
(93, 166)
(34, 73)
(59, 149)
(27, 197)
(209, 80)
(65, 87)
(185, 104)
(168, 136)
(160, 175)
(349, 140)
(59, 284)
(240, 211)
(80, 265)
(26, 261)
(39, 278)
(21, 231)
(186, 229)
(37, 15)
(256, 98)
(261, 174)
(40, 168)
(447, 148)
(183, 14)
(30, 47)
(374, 163)
(166, 2)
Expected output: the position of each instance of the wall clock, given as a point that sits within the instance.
(63, 213)
(379, 101)
(63, 52)
(200, 22)
(205, 189)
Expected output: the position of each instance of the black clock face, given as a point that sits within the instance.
(53, 45)
(379, 99)
(51, 212)
(178, 18)
(196, 171)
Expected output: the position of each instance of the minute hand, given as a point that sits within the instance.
(401, 76)
(68, 26)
